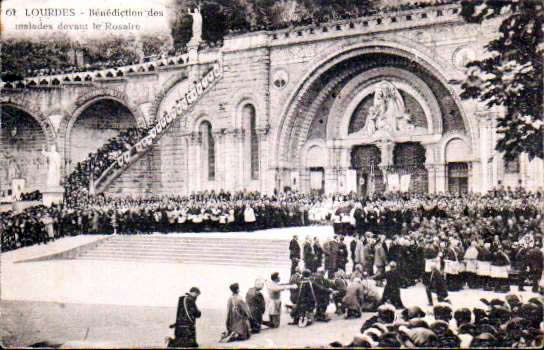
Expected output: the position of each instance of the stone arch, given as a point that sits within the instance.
(245, 98)
(28, 108)
(447, 141)
(314, 145)
(85, 101)
(328, 60)
(167, 86)
(305, 124)
(405, 81)
(199, 119)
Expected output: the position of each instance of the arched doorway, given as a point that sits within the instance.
(100, 121)
(316, 162)
(409, 159)
(365, 160)
(21, 141)
(339, 93)
(456, 155)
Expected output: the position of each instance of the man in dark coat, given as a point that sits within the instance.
(318, 251)
(308, 255)
(256, 304)
(323, 288)
(391, 291)
(185, 326)
(342, 257)
(294, 253)
(352, 248)
(535, 263)
(333, 257)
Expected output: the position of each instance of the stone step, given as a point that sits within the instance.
(247, 251)
(180, 257)
(184, 253)
(136, 238)
(189, 261)
(203, 250)
(200, 246)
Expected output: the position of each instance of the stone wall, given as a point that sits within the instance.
(20, 155)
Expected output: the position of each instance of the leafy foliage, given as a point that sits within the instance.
(155, 43)
(511, 75)
(123, 50)
(18, 56)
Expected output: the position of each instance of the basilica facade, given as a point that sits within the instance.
(367, 105)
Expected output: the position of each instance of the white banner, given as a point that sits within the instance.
(316, 180)
(393, 183)
(351, 180)
(405, 183)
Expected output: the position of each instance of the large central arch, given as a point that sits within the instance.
(296, 116)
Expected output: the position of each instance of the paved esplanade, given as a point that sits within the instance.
(131, 303)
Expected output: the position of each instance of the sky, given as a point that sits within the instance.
(15, 13)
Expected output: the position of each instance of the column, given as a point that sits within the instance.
(441, 177)
(484, 152)
(220, 156)
(193, 161)
(231, 171)
(332, 171)
(262, 134)
(431, 176)
(474, 178)
(242, 181)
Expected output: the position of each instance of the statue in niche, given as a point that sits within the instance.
(53, 166)
(197, 25)
(387, 115)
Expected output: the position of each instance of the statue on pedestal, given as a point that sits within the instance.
(197, 25)
(53, 166)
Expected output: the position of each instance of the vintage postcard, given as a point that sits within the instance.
(271, 174)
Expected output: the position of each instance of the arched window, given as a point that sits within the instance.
(248, 113)
(208, 150)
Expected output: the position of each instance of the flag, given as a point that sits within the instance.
(405, 183)
(393, 182)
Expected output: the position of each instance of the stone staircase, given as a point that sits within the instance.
(181, 109)
(190, 250)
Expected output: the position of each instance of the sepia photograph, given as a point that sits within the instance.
(271, 174)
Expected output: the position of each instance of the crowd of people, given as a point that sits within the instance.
(31, 196)
(512, 322)
(77, 183)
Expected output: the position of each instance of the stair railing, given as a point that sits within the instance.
(182, 107)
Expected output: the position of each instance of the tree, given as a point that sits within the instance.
(511, 75)
(114, 49)
(155, 43)
(20, 56)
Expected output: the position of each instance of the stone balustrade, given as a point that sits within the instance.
(369, 24)
(383, 22)
(84, 77)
